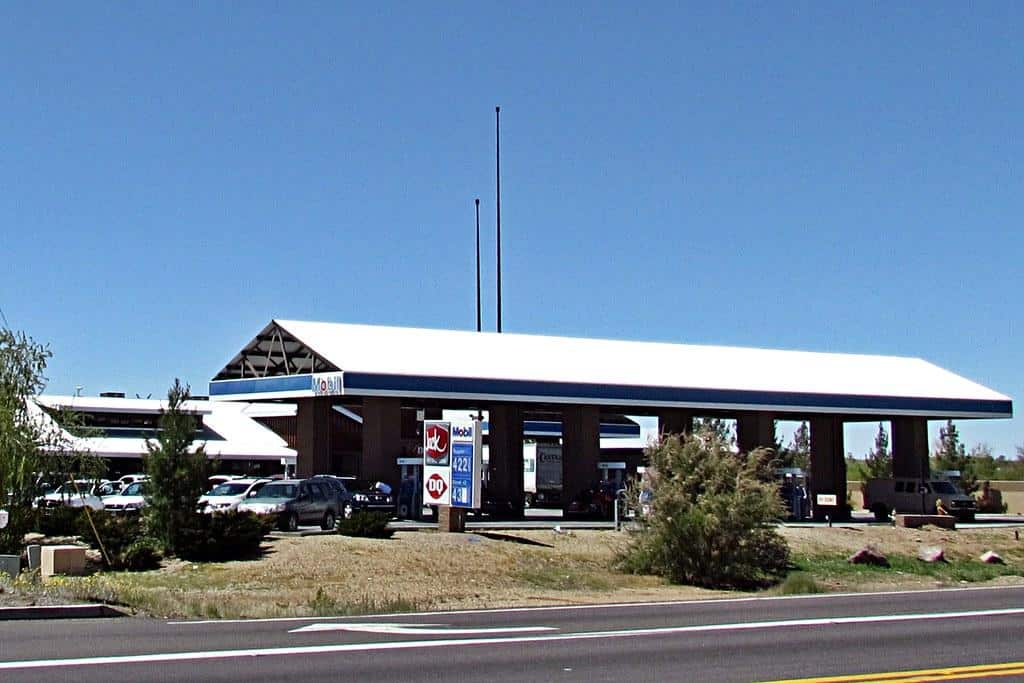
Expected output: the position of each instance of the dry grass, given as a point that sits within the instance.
(331, 575)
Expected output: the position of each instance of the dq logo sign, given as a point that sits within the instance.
(436, 486)
(436, 444)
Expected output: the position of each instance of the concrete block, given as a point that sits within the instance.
(915, 521)
(62, 559)
(10, 565)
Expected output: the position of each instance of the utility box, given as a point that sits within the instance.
(10, 565)
(62, 559)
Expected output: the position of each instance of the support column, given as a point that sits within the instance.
(313, 437)
(675, 421)
(581, 450)
(910, 448)
(505, 453)
(755, 430)
(828, 467)
(382, 439)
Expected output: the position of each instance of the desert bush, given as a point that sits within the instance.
(711, 521)
(222, 536)
(366, 524)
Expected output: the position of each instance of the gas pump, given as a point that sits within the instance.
(613, 472)
(410, 490)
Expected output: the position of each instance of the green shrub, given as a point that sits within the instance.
(63, 520)
(124, 540)
(711, 518)
(222, 536)
(366, 524)
(142, 555)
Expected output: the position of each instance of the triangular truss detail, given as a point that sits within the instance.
(274, 353)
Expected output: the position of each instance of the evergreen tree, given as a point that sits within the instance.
(177, 474)
(718, 428)
(878, 461)
(798, 453)
(952, 455)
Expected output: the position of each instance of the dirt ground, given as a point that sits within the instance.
(331, 574)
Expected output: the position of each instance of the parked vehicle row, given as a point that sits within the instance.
(320, 500)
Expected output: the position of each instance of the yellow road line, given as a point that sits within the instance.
(922, 675)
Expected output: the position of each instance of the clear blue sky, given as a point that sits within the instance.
(808, 176)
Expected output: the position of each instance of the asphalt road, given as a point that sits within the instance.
(755, 639)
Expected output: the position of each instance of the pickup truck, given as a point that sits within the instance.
(885, 496)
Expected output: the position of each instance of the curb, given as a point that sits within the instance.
(92, 611)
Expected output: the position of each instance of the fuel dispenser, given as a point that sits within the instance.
(410, 490)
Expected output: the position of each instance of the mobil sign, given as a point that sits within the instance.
(452, 463)
(437, 458)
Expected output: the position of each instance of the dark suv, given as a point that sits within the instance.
(295, 502)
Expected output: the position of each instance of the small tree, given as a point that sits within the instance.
(714, 427)
(23, 433)
(952, 455)
(878, 461)
(798, 452)
(712, 514)
(177, 473)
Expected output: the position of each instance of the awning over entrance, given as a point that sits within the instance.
(295, 359)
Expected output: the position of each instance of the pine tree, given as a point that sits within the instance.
(878, 461)
(798, 454)
(716, 427)
(177, 474)
(952, 455)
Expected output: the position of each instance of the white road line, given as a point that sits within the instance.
(418, 629)
(612, 605)
(450, 642)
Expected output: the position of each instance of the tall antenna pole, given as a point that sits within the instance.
(478, 318)
(497, 174)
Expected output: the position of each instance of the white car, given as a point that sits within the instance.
(131, 478)
(227, 495)
(78, 494)
(128, 500)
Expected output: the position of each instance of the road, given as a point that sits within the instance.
(747, 639)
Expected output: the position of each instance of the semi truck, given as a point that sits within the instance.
(542, 474)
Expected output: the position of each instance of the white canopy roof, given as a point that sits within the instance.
(443, 363)
(240, 437)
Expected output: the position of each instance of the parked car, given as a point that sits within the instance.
(77, 494)
(131, 479)
(342, 496)
(295, 502)
(108, 488)
(227, 495)
(218, 479)
(883, 496)
(129, 500)
(375, 497)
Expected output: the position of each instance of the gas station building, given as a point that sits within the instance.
(360, 392)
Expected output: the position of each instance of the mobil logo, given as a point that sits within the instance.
(462, 432)
(436, 442)
(436, 486)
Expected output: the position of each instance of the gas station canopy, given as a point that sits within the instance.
(297, 359)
